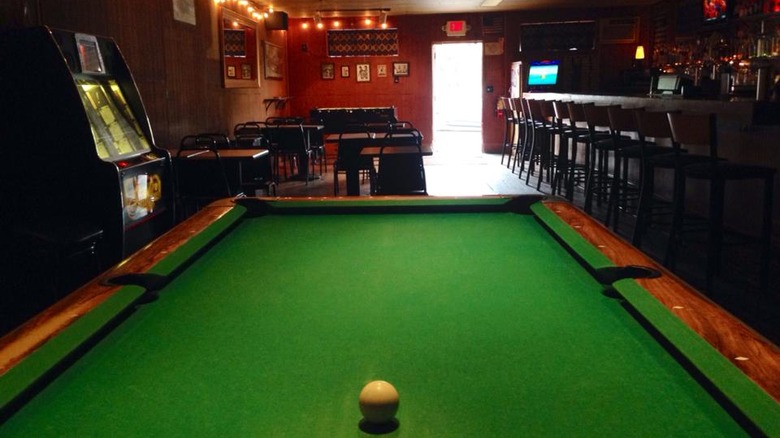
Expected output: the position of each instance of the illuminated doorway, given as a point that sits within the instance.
(457, 98)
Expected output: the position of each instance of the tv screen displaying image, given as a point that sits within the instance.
(714, 10)
(542, 73)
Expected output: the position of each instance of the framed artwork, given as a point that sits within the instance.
(381, 71)
(273, 61)
(328, 70)
(400, 69)
(344, 71)
(239, 50)
(363, 72)
(184, 11)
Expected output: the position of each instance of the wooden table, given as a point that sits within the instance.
(234, 161)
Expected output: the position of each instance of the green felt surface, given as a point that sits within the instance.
(483, 322)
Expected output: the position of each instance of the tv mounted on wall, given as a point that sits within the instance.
(543, 74)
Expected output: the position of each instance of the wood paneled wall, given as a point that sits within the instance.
(412, 96)
(178, 71)
(176, 65)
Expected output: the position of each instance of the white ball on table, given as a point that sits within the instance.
(378, 402)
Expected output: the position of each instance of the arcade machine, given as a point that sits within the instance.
(78, 166)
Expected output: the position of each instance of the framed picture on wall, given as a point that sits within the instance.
(344, 71)
(328, 70)
(400, 69)
(363, 72)
(273, 61)
(239, 51)
(381, 71)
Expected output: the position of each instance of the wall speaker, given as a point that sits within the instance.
(276, 21)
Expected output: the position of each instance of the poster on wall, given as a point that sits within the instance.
(184, 11)
(273, 61)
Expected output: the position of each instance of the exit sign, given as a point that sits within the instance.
(456, 28)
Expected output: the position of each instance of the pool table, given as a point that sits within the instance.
(492, 316)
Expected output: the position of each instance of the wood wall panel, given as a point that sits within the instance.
(412, 96)
(178, 71)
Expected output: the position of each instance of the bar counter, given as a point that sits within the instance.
(748, 132)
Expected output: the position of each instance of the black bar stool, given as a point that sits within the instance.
(701, 129)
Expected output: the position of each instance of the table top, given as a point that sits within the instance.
(334, 138)
(308, 126)
(225, 154)
(474, 348)
(373, 151)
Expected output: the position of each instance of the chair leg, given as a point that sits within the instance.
(644, 207)
(678, 210)
(766, 235)
(715, 238)
(613, 201)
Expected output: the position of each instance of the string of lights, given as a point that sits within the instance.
(252, 9)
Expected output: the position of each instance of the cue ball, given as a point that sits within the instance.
(378, 402)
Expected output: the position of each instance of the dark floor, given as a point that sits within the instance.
(456, 170)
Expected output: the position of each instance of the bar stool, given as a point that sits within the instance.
(571, 136)
(521, 130)
(541, 145)
(701, 129)
(507, 105)
(628, 147)
(598, 182)
(525, 145)
(667, 156)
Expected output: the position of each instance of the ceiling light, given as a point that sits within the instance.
(341, 13)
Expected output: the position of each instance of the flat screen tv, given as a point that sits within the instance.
(715, 10)
(543, 73)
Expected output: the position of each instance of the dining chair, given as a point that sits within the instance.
(199, 180)
(345, 157)
(401, 166)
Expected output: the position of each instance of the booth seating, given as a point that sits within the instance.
(336, 120)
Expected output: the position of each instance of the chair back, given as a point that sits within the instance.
(288, 138)
(622, 120)
(547, 109)
(576, 112)
(250, 134)
(690, 129)
(596, 116)
(404, 137)
(401, 172)
(561, 110)
(508, 105)
(202, 178)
